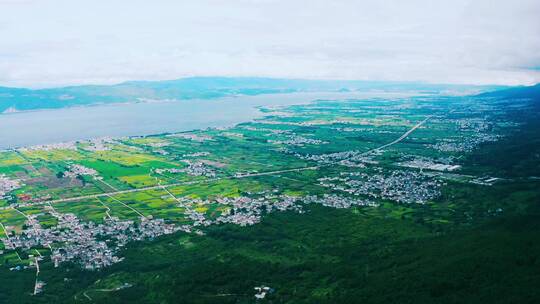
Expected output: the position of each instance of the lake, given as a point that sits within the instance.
(117, 120)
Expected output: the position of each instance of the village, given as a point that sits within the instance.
(399, 186)
(7, 185)
(83, 242)
(82, 202)
(96, 246)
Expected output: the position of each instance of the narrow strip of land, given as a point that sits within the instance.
(36, 284)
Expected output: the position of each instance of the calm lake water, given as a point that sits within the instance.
(52, 126)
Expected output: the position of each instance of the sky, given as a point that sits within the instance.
(56, 43)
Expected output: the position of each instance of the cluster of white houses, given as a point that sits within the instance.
(242, 210)
(465, 143)
(338, 201)
(192, 136)
(429, 164)
(7, 185)
(69, 145)
(352, 158)
(198, 168)
(76, 170)
(246, 211)
(397, 185)
(98, 144)
(92, 245)
(295, 140)
(475, 131)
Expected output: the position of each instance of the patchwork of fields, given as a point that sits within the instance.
(403, 159)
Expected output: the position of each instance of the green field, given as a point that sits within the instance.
(415, 233)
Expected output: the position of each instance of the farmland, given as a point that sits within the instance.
(389, 171)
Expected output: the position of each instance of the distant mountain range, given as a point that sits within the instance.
(19, 99)
(529, 92)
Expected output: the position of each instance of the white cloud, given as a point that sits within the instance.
(46, 43)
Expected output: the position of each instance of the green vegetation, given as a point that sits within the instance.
(423, 232)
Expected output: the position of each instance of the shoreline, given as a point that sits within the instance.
(136, 119)
(15, 111)
(83, 140)
(258, 108)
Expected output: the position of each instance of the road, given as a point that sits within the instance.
(247, 175)
(123, 286)
(402, 137)
(36, 291)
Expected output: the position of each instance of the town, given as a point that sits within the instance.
(84, 201)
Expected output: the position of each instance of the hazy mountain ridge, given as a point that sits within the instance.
(20, 99)
(530, 92)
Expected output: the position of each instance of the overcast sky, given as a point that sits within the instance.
(50, 43)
